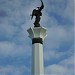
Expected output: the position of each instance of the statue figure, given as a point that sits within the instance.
(37, 13)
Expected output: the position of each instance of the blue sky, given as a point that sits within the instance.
(16, 47)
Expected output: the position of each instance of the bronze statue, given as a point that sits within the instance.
(37, 13)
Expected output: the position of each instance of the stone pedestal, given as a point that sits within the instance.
(37, 34)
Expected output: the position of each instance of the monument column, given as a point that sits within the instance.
(37, 34)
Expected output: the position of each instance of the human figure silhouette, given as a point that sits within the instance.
(37, 13)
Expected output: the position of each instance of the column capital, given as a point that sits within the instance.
(37, 32)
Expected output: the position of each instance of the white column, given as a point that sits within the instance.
(37, 55)
(37, 49)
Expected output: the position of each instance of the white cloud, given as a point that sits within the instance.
(58, 34)
(9, 69)
(69, 11)
(6, 29)
(68, 62)
(6, 48)
(62, 9)
(12, 49)
(52, 54)
(55, 69)
(65, 67)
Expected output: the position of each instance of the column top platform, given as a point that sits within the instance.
(37, 32)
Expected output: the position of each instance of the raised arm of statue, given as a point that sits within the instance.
(42, 6)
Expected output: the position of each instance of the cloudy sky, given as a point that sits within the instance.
(16, 47)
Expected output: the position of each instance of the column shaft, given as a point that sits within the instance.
(37, 59)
